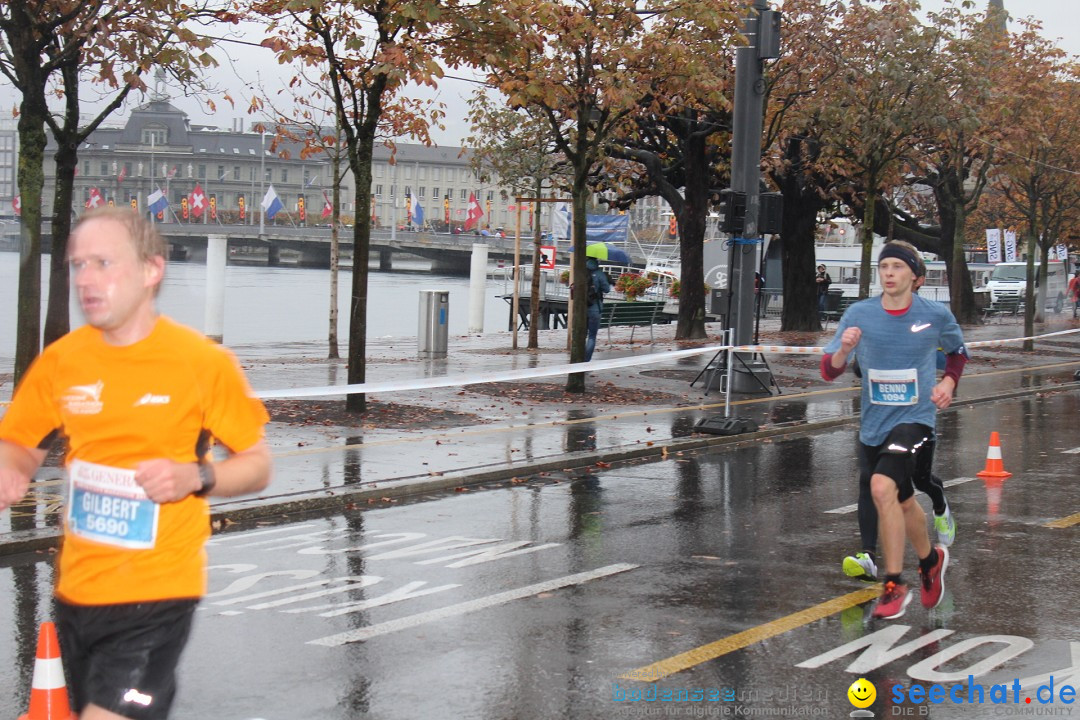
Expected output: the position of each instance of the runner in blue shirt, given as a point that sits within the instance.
(895, 338)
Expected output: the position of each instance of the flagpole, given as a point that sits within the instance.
(153, 174)
(393, 207)
(262, 182)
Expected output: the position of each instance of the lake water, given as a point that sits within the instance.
(268, 305)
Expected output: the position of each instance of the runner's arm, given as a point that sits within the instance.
(833, 364)
(244, 472)
(17, 465)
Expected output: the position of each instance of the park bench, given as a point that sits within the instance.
(835, 305)
(1005, 306)
(633, 313)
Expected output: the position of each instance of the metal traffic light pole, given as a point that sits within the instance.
(762, 32)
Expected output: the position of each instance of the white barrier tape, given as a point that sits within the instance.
(780, 349)
(992, 343)
(459, 380)
(555, 370)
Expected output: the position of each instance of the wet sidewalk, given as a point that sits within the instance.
(487, 434)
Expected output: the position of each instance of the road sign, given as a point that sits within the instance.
(547, 257)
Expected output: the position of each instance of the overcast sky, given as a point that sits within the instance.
(247, 70)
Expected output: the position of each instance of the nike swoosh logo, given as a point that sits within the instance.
(918, 328)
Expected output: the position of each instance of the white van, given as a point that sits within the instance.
(1010, 278)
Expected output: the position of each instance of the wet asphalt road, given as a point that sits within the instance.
(567, 596)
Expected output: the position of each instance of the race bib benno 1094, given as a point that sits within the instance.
(106, 505)
(894, 387)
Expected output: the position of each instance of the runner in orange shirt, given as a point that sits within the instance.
(137, 397)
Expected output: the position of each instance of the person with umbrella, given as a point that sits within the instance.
(598, 285)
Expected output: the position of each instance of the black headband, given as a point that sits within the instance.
(893, 250)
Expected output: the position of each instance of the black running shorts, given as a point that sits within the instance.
(908, 449)
(123, 658)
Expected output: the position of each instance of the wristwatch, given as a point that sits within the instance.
(207, 479)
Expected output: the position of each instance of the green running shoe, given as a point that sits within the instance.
(945, 527)
(861, 566)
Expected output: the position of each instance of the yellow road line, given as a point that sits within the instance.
(738, 641)
(1064, 522)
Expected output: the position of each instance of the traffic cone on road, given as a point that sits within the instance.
(994, 467)
(48, 691)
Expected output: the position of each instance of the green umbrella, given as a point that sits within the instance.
(608, 253)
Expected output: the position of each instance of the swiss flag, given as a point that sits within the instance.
(122, 175)
(328, 207)
(16, 204)
(198, 201)
(474, 212)
(95, 200)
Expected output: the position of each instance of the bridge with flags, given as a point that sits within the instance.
(310, 246)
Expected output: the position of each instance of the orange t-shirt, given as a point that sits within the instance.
(162, 397)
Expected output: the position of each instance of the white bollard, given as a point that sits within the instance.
(217, 247)
(477, 285)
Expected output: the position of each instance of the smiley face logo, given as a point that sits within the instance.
(862, 693)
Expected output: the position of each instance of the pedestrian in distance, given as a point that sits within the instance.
(863, 565)
(895, 338)
(599, 284)
(137, 398)
(823, 281)
(1074, 292)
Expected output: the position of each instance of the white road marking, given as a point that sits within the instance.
(410, 621)
(221, 539)
(1074, 451)
(854, 506)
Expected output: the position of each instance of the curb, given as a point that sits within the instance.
(336, 500)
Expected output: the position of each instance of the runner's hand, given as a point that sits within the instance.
(13, 485)
(942, 393)
(850, 339)
(167, 481)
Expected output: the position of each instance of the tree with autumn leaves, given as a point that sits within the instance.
(678, 142)
(1039, 152)
(515, 145)
(590, 67)
(572, 63)
(48, 49)
(367, 52)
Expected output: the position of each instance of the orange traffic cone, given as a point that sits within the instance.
(994, 467)
(48, 691)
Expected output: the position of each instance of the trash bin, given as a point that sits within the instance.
(434, 314)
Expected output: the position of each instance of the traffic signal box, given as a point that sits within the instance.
(770, 212)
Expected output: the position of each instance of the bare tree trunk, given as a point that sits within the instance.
(361, 166)
(692, 219)
(797, 256)
(31, 176)
(575, 382)
(335, 245)
(57, 317)
(867, 240)
(1029, 290)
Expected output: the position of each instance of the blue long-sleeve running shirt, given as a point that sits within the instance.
(898, 357)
